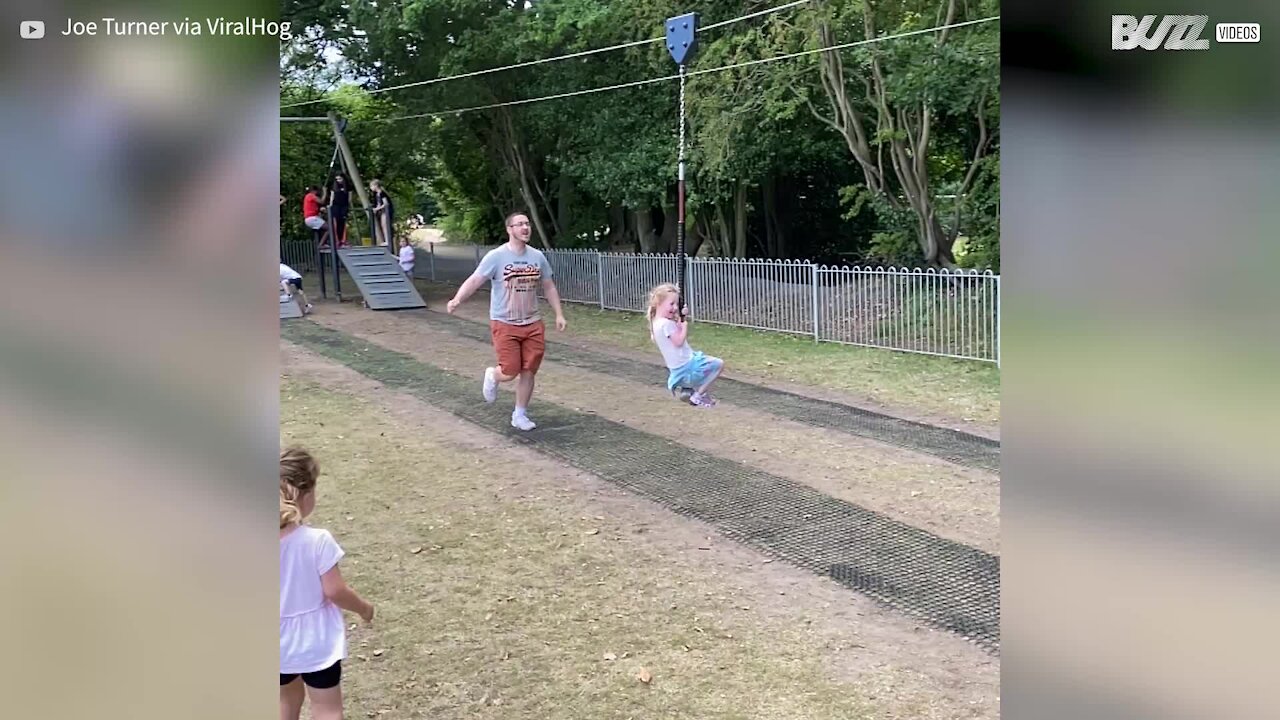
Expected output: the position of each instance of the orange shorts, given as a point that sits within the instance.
(519, 347)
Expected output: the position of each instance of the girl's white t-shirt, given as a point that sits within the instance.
(406, 257)
(675, 355)
(312, 636)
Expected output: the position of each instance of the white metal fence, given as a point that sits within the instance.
(947, 313)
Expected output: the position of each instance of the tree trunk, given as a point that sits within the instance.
(908, 149)
(938, 243)
(692, 240)
(774, 233)
(644, 230)
(700, 233)
(529, 168)
(740, 220)
(697, 234)
(617, 226)
(562, 202)
(513, 153)
(724, 241)
(531, 203)
(767, 205)
(670, 230)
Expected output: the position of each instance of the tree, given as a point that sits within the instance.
(885, 151)
(890, 105)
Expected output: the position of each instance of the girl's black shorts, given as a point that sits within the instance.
(320, 679)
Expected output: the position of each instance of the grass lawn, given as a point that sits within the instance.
(496, 605)
(956, 388)
(959, 390)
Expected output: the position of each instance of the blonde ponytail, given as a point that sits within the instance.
(290, 512)
(298, 474)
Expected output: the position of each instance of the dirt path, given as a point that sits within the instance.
(906, 671)
(950, 501)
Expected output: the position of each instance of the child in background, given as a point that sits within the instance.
(688, 369)
(291, 284)
(313, 639)
(383, 214)
(311, 213)
(406, 257)
(339, 208)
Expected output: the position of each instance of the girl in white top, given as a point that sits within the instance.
(406, 257)
(690, 370)
(313, 639)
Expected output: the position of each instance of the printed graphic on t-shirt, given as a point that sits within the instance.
(521, 283)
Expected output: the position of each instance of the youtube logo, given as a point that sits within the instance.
(31, 29)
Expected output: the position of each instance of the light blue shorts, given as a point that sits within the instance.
(695, 372)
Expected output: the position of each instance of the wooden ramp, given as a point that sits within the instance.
(382, 283)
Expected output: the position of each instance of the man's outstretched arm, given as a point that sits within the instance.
(469, 287)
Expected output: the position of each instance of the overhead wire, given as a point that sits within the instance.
(557, 58)
(649, 81)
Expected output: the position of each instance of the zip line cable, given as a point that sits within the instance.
(664, 78)
(758, 13)
(557, 58)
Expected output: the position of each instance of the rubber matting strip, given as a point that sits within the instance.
(944, 583)
(952, 445)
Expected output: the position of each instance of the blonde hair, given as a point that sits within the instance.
(657, 296)
(298, 474)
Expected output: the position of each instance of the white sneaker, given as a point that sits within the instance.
(522, 422)
(701, 400)
(490, 385)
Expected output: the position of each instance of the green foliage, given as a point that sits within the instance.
(981, 248)
(897, 248)
(573, 158)
(915, 316)
(893, 237)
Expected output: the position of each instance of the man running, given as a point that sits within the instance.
(515, 271)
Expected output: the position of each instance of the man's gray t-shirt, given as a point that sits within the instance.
(515, 278)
